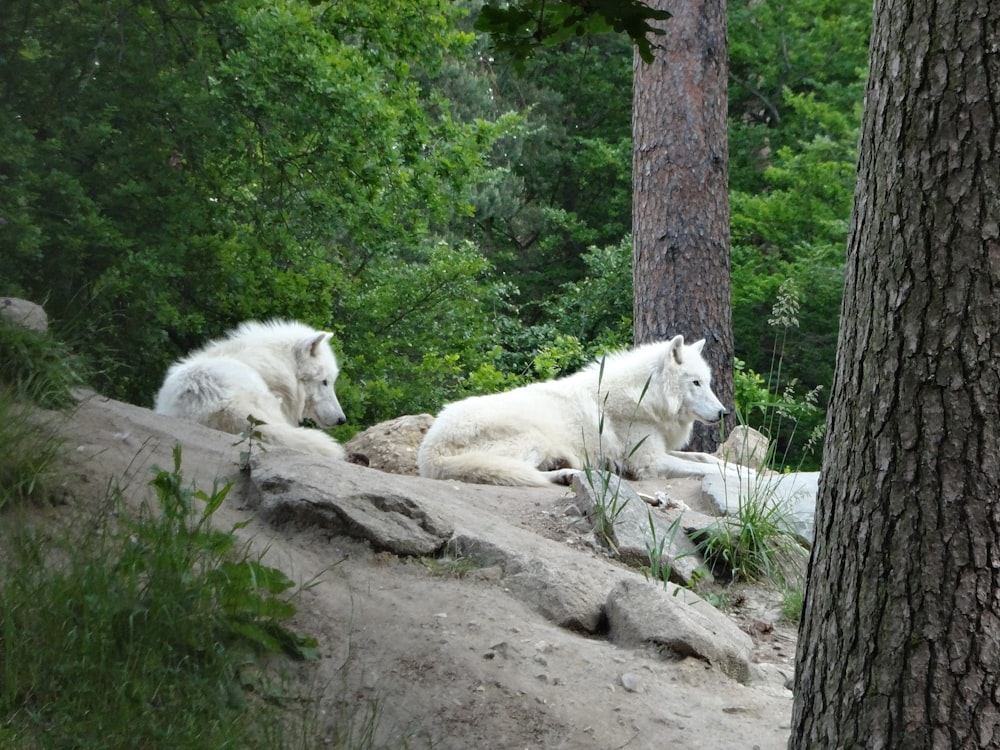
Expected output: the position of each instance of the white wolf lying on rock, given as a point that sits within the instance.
(541, 433)
(279, 372)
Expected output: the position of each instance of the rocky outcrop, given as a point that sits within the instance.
(571, 588)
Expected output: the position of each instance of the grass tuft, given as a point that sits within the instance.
(37, 372)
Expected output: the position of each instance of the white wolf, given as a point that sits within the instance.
(631, 413)
(279, 372)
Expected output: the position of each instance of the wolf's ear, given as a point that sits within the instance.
(312, 344)
(676, 349)
(698, 346)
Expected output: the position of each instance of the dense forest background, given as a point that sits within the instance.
(169, 168)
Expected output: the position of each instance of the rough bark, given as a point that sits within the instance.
(899, 645)
(680, 203)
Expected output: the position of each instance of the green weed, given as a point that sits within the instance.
(36, 372)
(608, 502)
(659, 565)
(450, 566)
(791, 603)
(139, 631)
(758, 543)
(775, 407)
(29, 461)
(37, 367)
(253, 438)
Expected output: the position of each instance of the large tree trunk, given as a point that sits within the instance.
(899, 645)
(680, 203)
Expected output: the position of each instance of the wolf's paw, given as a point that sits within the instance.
(561, 476)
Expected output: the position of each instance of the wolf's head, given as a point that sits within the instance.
(690, 374)
(317, 370)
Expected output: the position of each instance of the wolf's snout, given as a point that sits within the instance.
(335, 420)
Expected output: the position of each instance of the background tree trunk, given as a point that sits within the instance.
(899, 645)
(680, 199)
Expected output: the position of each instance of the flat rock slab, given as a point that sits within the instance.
(292, 487)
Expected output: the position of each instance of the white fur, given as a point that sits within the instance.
(279, 372)
(543, 432)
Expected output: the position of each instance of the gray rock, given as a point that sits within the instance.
(23, 313)
(286, 486)
(390, 446)
(745, 446)
(566, 595)
(679, 623)
(630, 682)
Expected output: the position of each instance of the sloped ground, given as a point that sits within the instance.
(448, 661)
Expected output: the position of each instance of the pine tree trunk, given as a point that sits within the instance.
(680, 203)
(899, 645)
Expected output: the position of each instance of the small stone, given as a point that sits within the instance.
(630, 682)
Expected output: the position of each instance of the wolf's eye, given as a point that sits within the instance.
(325, 383)
(697, 383)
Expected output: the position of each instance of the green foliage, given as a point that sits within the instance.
(29, 463)
(519, 28)
(792, 601)
(561, 181)
(198, 169)
(416, 334)
(450, 565)
(36, 370)
(791, 419)
(659, 565)
(138, 636)
(797, 80)
(254, 441)
(585, 320)
(599, 471)
(608, 503)
(166, 172)
(38, 367)
(598, 307)
(780, 52)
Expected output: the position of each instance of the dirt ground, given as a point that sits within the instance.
(456, 662)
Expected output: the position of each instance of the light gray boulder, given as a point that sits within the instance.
(745, 446)
(793, 494)
(24, 313)
(679, 624)
(390, 446)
